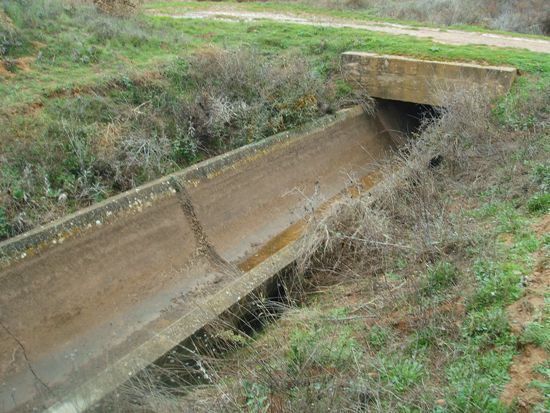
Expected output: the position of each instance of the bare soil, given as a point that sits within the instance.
(521, 313)
(449, 36)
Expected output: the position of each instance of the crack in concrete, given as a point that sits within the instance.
(26, 357)
(205, 247)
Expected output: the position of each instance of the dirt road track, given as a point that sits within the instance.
(449, 36)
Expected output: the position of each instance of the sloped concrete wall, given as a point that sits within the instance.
(84, 292)
(421, 81)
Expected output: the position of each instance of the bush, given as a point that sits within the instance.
(539, 203)
(439, 277)
(239, 96)
(119, 8)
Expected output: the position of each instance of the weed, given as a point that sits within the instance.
(476, 379)
(541, 175)
(439, 277)
(497, 284)
(377, 337)
(322, 346)
(537, 333)
(539, 203)
(4, 226)
(256, 397)
(488, 327)
(401, 374)
(543, 386)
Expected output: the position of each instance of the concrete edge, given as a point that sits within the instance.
(510, 69)
(189, 324)
(134, 200)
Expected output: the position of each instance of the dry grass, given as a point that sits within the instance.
(119, 8)
(408, 213)
(138, 128)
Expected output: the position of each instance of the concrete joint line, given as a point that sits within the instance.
(205, 247)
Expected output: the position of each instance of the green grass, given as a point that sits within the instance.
(271, 37)
(538, 331)
(330, 346)
(73, 53)
(106, 67)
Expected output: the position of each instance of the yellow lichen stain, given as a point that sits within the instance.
(274, 245)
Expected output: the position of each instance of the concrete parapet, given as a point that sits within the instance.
(421, 81)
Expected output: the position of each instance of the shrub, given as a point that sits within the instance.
(439, 277)
(539, 203)
(488, 327)
(239, 96)
(119, 8)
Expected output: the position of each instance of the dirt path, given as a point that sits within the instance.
(521, 314)
(455, 37)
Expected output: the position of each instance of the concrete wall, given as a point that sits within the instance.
(84, 292)
(421, 81)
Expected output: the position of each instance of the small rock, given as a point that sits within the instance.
(440, 402)
(62, 198)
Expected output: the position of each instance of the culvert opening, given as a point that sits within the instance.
(404, 118)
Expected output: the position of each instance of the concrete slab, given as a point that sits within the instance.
(421, 81)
